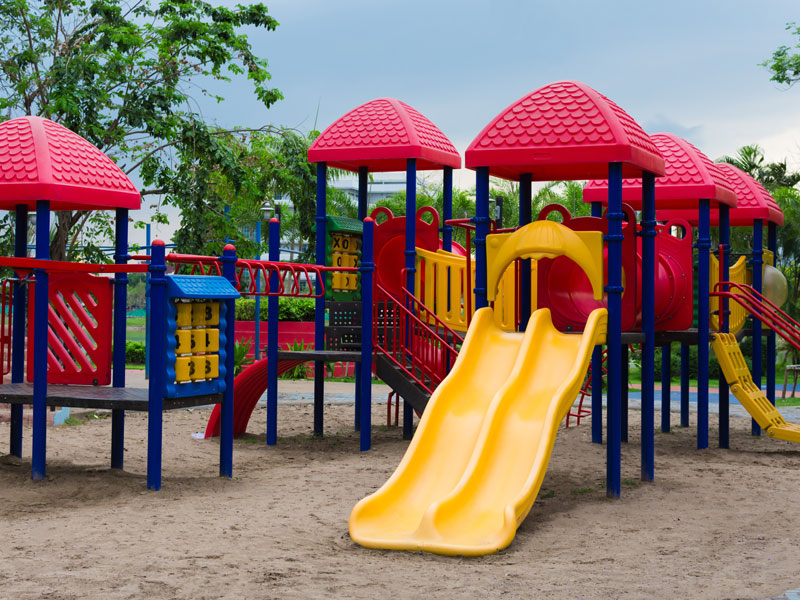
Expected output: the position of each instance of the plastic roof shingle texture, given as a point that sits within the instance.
(564, 130)
(689, 177)
(381, 135)
(42, 160)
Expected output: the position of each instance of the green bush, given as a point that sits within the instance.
(135, 353)
(289, 309)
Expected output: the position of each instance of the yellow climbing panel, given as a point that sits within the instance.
(747, 392)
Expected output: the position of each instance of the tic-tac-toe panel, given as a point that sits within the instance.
(343, 249)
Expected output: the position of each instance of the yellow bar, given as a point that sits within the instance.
(183, 341)
(211, 339)
(183, 368)
(184, 316)
(211, 366)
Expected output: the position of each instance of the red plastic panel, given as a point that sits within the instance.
(674, 277)
(6, 301)
(690, 176)
(389, 245)
(565, 130)
(41, 160)
(381, 135)
(79, 332)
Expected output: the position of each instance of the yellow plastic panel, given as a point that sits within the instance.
(197, 368)
(183, 368)
(199, 340)
(183, 341)
(344, 243)
(495, 489)
(444, 440)
(212, 313)
(789, 432)
(737, 273)
(183, 318)
(211, 339)
(211, 366)
(199, 314)
(340, 259)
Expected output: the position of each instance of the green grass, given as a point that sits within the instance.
(135, 321)
(133, 367)
(549, 494)
(631, 482)
(582, 490)
(73, 421)
(787, 401)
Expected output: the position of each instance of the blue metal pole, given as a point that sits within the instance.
(120, 306)
(481, 221)
(367, 268)
(724, 392)
(623, 413)
(447, 208)
(772, 246)
(147, 312)
(648, 325)
(757, 262)
(272, 335)
(228, 260)
(597, 370)
(666, 387)
(684, 385)
(319, 306)
(525, 282)
(18, 328)
(158, 322)
(703, 248)
(363, 182)
(411, 257)
(614, 290)
(40, 327)
(257, 278)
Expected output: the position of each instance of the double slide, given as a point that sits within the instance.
(477, 461)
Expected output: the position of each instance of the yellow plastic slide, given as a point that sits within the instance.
(474, 468)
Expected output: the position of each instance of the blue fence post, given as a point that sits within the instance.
(772, 246)
(614, 290)
(120, 306)
(319, 305)
(757, 263)
(447, 208)
(367, 269)
(684, 385)
(257, 281)
(724, 393)
(18, 328)
(40, 327)
(525, 282)
(623, 413)
(666, 387)
(648, 325)
(411, 257)
(363, 182)
(703, 248)
(228, 260)
(481, 221)
(272, 335)
(158, 323)
(147, 310)
(597, 370)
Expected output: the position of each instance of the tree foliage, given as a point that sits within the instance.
(785, 61)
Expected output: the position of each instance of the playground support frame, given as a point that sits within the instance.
(703, 255)
(40, 327)
(757, 262)
(772, 246)
(525, 273)
(597, 369)
(18, 329)
(120, 305)
(614, 290)
(724, 392)
(319, 306)
(274, 234)
(648, 325)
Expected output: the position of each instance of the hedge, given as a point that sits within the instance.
(289, 309)
(135, 353)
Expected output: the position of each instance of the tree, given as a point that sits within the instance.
(123, 77)
(785, 61)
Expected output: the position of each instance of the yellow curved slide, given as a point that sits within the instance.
(442, 502)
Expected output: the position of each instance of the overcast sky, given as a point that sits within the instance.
(688, 67)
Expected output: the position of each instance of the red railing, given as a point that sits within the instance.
(586, 390)
(6, 300)
(414, 339)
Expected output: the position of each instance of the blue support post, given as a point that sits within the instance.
(228, 260)
(18, 328)
(666, 387)
(411, 257)
(158, 323)
(118, 358)
(724, 392)
(703, 249)
(757, 263)
(648, 325)
(772, 246)
(319, 306)
(447, 208)
(40, 327)
(623, 413)
(481, 221)
(363, 181)
(272, 335)
(597, 370)
(147, 311)
(525, 282)
(614, 290)
(367, 269)
(257, 278)
(684, 385)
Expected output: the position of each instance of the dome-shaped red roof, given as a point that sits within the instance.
(565, 130)
(690, 176)
(754, 202)
(381, 135)
(42, 160)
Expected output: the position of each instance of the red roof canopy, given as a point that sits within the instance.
(563, 131)
(754, 202)
(381, 135)
(690, 177)
(42, 160)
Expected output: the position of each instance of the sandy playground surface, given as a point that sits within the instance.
(717, 524)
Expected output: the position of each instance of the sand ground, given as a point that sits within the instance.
(715, 524)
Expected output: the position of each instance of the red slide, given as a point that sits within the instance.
(248, 387)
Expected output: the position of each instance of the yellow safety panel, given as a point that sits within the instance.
(183, 341)
(733, 365)
(737, 273)
(344, 243)
(183, 318)
(211, 340)
(478, 458)
(339, 259)
(183, 368)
